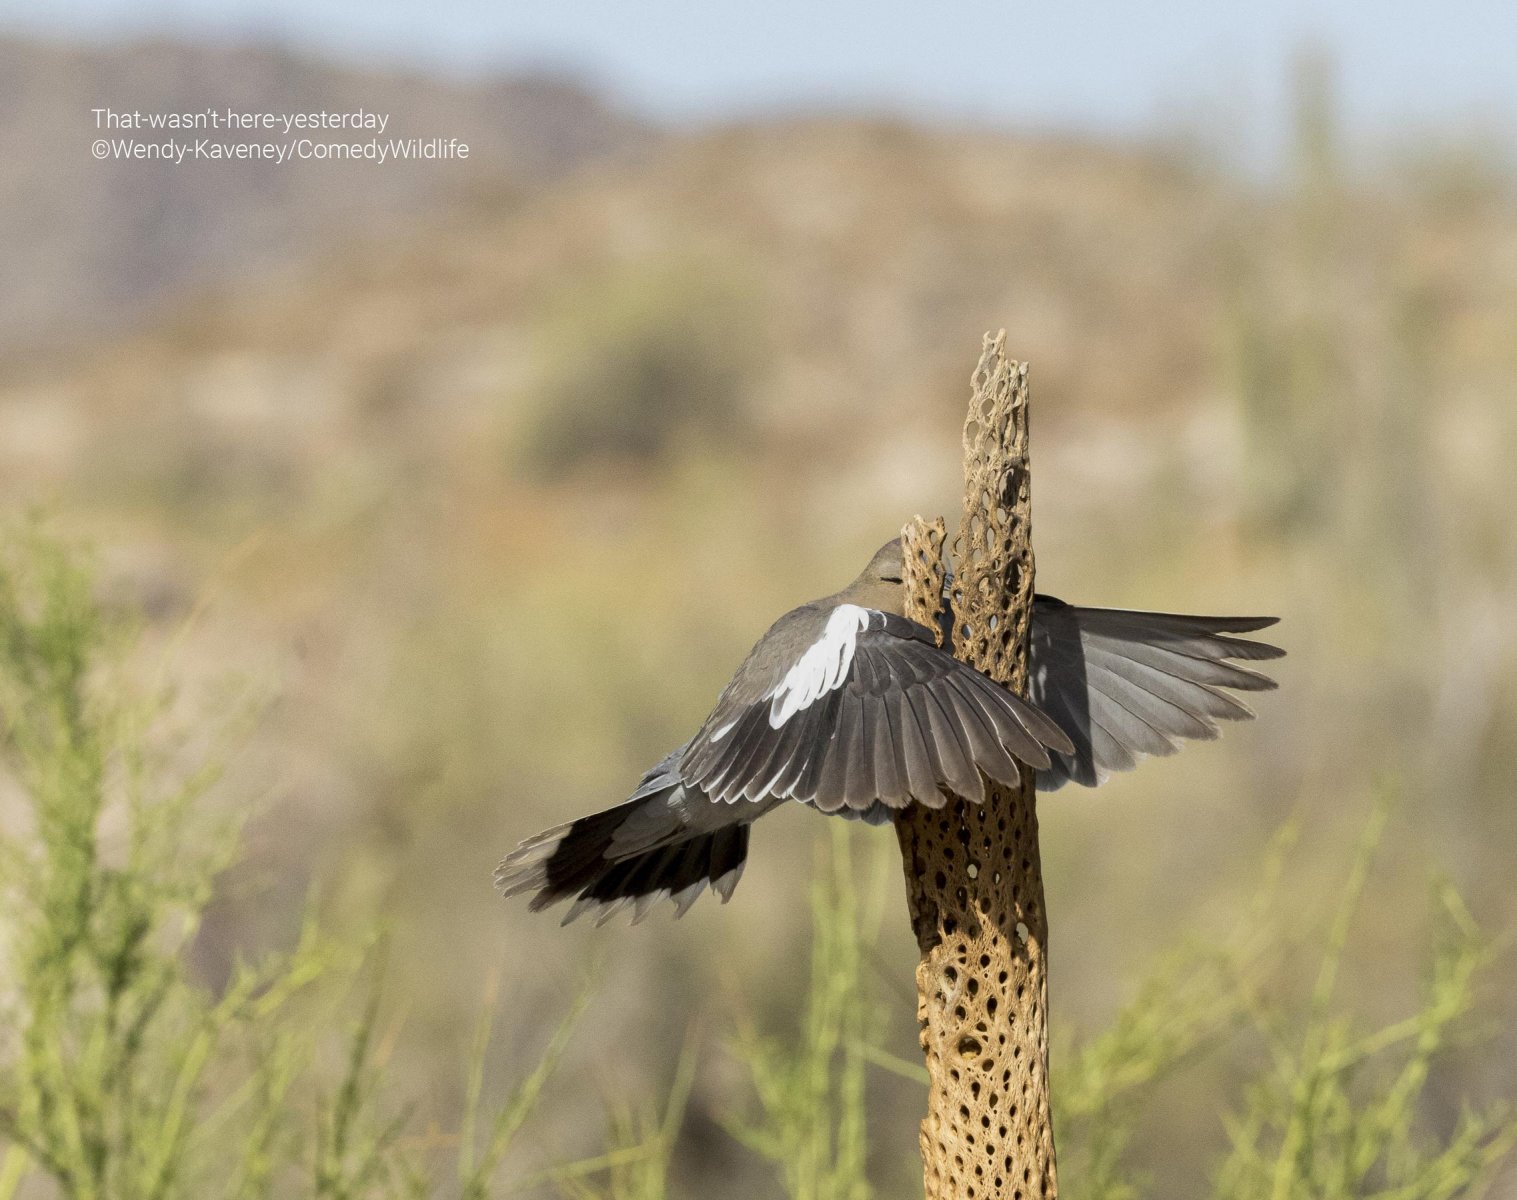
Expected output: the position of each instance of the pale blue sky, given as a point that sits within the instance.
(1106, 67)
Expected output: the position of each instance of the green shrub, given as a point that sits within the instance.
(122, 1075)
(810, 1083)
(1329, 1110)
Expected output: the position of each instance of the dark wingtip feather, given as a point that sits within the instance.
(1230, 624)
(1247, 648)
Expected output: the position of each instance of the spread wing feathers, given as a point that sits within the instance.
(895, 719)
(1127, 684)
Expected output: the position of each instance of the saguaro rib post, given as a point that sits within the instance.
(973, 879)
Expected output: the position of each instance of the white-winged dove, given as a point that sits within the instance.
(849, 707)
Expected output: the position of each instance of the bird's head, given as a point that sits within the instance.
(879, 584)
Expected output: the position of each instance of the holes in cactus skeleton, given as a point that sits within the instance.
(981, 1157)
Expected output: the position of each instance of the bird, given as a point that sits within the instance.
(849, 707)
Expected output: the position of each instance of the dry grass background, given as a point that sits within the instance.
(485, 508)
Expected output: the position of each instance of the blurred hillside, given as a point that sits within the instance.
(489, 504)
(93, 246)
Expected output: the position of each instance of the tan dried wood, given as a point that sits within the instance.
(974, 883)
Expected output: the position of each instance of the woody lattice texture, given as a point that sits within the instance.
(974, 881)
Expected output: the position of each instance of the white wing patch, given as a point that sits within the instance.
(823, 667)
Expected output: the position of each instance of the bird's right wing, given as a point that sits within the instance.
(1125, 684)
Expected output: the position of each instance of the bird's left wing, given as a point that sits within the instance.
(1126, 684)
(869, 710)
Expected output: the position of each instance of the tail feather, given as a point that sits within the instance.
(585, 861)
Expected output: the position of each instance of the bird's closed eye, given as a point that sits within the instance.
(890, 579)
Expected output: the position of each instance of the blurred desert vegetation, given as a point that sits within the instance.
(447, 509)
